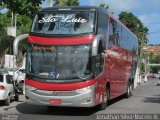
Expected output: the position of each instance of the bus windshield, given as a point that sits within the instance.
(59, 62)
(64, 23)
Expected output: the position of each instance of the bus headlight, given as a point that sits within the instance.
(30, 88)
(83, 90)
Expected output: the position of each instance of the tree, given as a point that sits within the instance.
(68, 2)
(63, 2)
(135, 25)
(5, 41)
(22, 7)
(23, 24)
(157, 59)
(103, 5)
(2, 51)
(2, 6)
(25, 10)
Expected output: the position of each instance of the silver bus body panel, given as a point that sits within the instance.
(42, 97)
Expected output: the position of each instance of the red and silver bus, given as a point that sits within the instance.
(78, 57)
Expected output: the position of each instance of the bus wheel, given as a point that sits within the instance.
(129, 90)
(106, 100)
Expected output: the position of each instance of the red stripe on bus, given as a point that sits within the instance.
(61, 41)
(59, 87)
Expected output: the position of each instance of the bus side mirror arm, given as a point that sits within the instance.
(16, 43)
(15, 50)
(95, 44)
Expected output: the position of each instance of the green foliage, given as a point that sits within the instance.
(4, 39)
(68, 2)
(4, 21)
(6, 42)
(151, 58)
(135, 25)
(103, 5)
(23, 24)
(157, 59)
(2, 6)
(22, 7)
(63, 2)
(3, 43)
(154, 69)
(25, 10)
(142, 67)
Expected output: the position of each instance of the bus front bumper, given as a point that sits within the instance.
(78, 98)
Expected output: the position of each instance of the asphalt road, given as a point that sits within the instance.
(145, 99)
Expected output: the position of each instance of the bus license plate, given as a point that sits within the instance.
(55, 101)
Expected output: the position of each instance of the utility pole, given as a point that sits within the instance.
(12, 19)
(140, 57)
(15, 20)
(145, 61)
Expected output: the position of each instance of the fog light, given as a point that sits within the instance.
(86, 100)
(30, 88)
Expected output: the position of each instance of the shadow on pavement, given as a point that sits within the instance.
(117, 99)
(2, 103)
(152, 99)
(25, 108)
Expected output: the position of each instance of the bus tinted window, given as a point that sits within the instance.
(114, 33)
(54, 23)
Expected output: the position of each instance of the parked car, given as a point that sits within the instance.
(7, 88)
(19, 76)
(17, 73)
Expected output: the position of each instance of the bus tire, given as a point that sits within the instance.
(106, 99)
(129, 90)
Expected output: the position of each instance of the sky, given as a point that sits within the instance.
(148, 11)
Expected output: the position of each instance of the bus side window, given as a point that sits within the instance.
(113, 34)
(99, 59)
